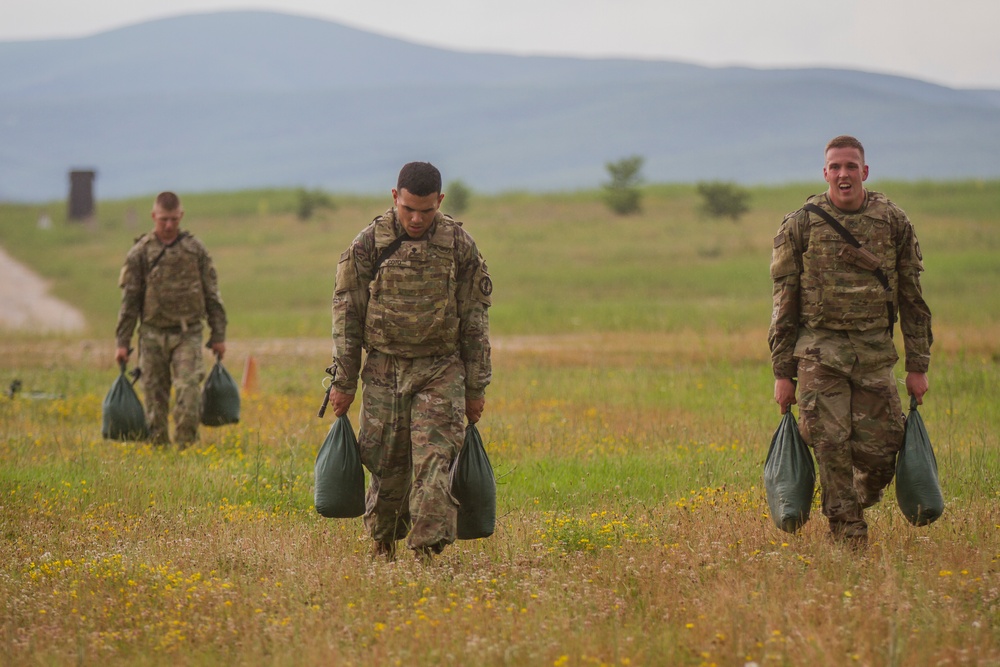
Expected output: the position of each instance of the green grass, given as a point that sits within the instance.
(627, 423)
(560, 262)
(632, 526)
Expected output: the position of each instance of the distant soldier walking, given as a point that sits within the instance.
(413, 291)
(169, 286)
(835, 303)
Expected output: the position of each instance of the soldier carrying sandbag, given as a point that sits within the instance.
(169, 286)
(413, 291)
(843, 266)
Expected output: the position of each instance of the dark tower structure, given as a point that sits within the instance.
(81, 194)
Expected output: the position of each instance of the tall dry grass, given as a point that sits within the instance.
(628, 422)
(633, 528)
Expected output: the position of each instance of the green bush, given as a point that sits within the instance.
(457, 198)
(723, 200)
(621, 194)
(307, 201)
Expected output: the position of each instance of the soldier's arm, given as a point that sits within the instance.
(130, 280)
(474, 297)
(786, 263)
(914, 314)
(215, 311)
(350, 306)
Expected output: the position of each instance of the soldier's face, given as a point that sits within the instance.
(845, 171)
(167, 223)
(415, 213)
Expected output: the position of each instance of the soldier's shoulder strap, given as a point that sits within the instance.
(156, 260)
(846, 235)
(398, 241)
(849, 238)
(388, 250)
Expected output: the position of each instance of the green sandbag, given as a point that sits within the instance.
(918, 491)
(340, 479)
(220, 398)
(122, 414)
(789, 476)
(475, 488)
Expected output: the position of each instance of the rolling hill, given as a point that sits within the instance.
(254, 99)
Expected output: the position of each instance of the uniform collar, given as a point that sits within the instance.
(864, 204)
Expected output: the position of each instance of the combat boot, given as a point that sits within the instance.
(852, 537)
(426, 554)
(384, 549)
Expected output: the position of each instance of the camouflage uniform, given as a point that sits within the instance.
(830, 328)
(170, 289)
(423, 320)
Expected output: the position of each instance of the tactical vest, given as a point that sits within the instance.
(835, 293)
(174, 295)
(412, 310)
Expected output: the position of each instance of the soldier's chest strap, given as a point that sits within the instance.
(849, 238)
(170, 245)
(388, 250)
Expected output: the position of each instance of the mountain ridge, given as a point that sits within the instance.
(232, 100)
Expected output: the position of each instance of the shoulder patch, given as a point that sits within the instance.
(486, 286)
(780, 239)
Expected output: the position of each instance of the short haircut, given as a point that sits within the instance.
(845, 141)
(420, 179)
(168, 201)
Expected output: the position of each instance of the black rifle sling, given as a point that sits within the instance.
(157, 259)
(849, 238)
(146, 270)
(388, 250)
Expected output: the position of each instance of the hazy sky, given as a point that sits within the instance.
(954, 43)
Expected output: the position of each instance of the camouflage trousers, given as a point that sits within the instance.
(168, 357)
(412, 427)
(854, 422)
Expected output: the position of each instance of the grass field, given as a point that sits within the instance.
(627, 423)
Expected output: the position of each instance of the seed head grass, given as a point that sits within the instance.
(627, 424)
(632, 530)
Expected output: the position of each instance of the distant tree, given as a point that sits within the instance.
(723, 200)
(457, 196)
(307, 201)
(621, 193)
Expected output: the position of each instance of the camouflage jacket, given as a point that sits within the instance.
(429, 297)
(167, 286)
(828, 309)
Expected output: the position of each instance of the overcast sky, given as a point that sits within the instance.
(954, 43)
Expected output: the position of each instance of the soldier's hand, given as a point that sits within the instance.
(340, 402)
(784, 393)
(121, 355)
(917, 385)
(219, 349)
(474, 409)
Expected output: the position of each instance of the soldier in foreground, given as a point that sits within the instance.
(169, 286)
(831, 332)
(413, 291)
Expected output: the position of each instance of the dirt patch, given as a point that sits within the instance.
(25, 303)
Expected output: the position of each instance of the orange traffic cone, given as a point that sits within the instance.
(250, 384)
